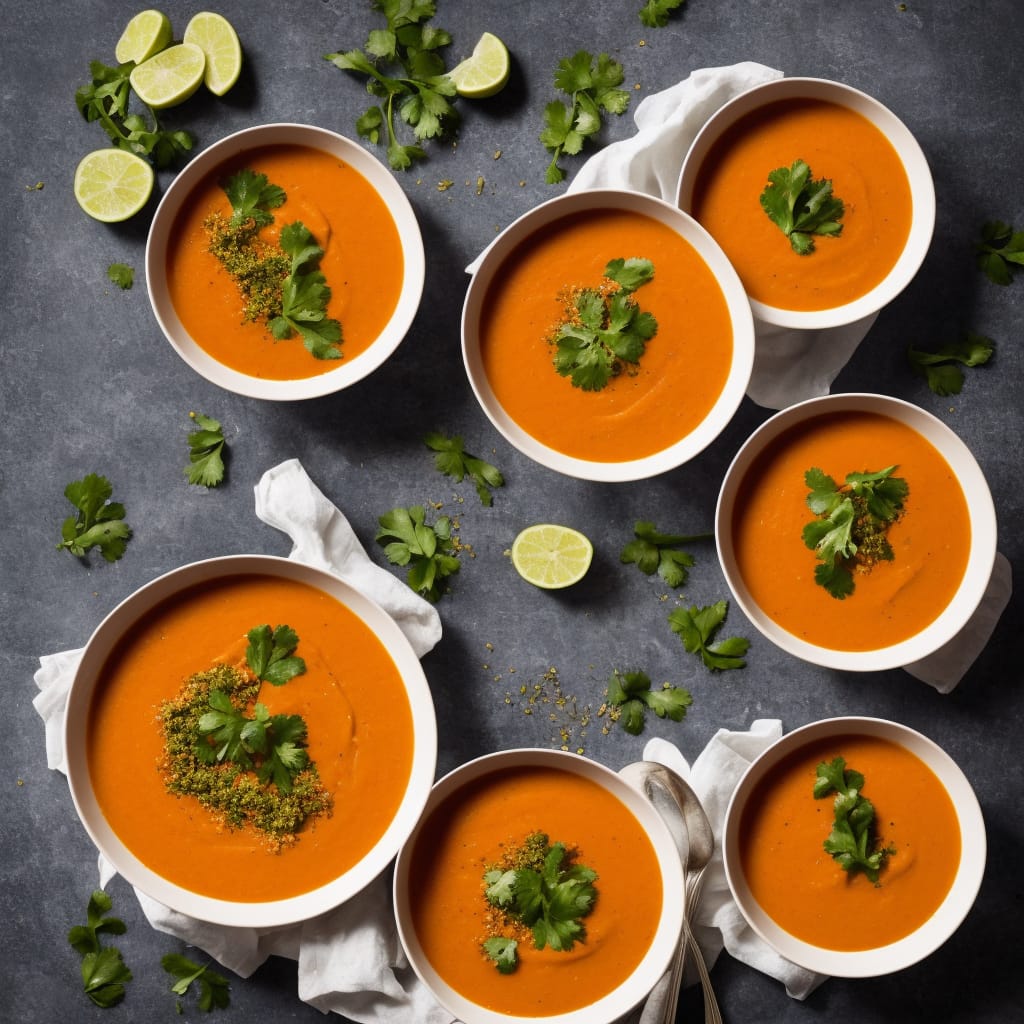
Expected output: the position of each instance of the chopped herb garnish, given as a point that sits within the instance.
(428, 550)
(417, 83)
(605, 330)
(1000, 251)
(593, 88)
(652, 552)
(453, 460)
(121, 274)
(631, 694)
(939, 368)
(206, 448)
(655, 13)
(538, 886)
(98, 522)
(801, 206)
(852, 838)
(214, 989)
(104, 972)
(853, 519)
(697, 628)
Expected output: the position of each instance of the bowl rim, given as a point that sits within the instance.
(485, 268)
(908, 149)
(349, 370)
(957, 902)
(269, 913)
(981, 510)
(652, 966)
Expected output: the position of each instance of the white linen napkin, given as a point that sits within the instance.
(350, 960)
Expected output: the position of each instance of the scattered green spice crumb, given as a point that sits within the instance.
(568, 717)
(257, 268)
(443, 186)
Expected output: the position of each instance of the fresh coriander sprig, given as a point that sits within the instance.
(271, 656)
(453, 460)
(1000, 251)
(98, 522)
(697, 628)
(940, 367)
(206, 450)
(214, 989)
(632, 694)
(593, 88)
(252, 197)
(104, 972)
(652, 551)
(606, 330)
(655, 13)
(418, 86)
(851, 524)
(801, 206)
(428, 550)
(852, 837)
(121, 274)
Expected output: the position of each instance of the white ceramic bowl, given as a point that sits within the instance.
(488, 267)
(981, 511)
(88, 678)
(928, 936)
(348, 370)
(655, 961)
(907, 148)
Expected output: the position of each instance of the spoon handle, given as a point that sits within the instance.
(712, 1014)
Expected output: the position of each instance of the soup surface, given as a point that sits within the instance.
(362, 261)
(351, 697)
(895, 599)
(468, 833)
(677, 380)
(804, 890)
(838, 144)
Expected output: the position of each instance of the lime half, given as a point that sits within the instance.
(485, 71)
(551, 556)
(113, 184)
(146, 34)
(214, 35)
(170, 77)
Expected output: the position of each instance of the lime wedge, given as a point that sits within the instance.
(146, 34)
(214, 35)
(170, 77)
(485, 71)
(113, 184)
(551, 556)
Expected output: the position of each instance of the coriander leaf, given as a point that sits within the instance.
(428, 551)
(800, 206)
(271, 654)
(697, 628)
(252, 197)
(224, 725)
(206, 451)
(214, 988)
(98, 522)
(652, 551)
(503, 952)
(453, 460)
(631, 694)
(655, 13)
(1000, 251)
(285, 755)
(939, 368)
(121, 274)
(85, 938)
(104, 975)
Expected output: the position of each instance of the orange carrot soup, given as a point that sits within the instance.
(362, 263)
(839, 145)
(892, 599)
(803, 888)
(350, 696)
(486, 820)
(651, 403)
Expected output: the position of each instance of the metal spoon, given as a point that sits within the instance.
(696, 843)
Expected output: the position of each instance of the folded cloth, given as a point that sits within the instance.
(350, 960)
(718, 923)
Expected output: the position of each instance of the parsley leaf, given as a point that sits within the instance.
(852, 834)
(428, 551)
(800, 206)
(98, 522)
(271, 654)
(697, 628)
(850, 531)
(214, 988)
(453, 460)
(655, 13)
(605, 329)
(304, 296)
(939, 368)
(593, 88)
(503, 952)
(1000, 251)
(84, 938)
(104, 973)
(206, 451)
(121, 274)
(631, 693)
(652, 551)
(252, 197)
(417, 83)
